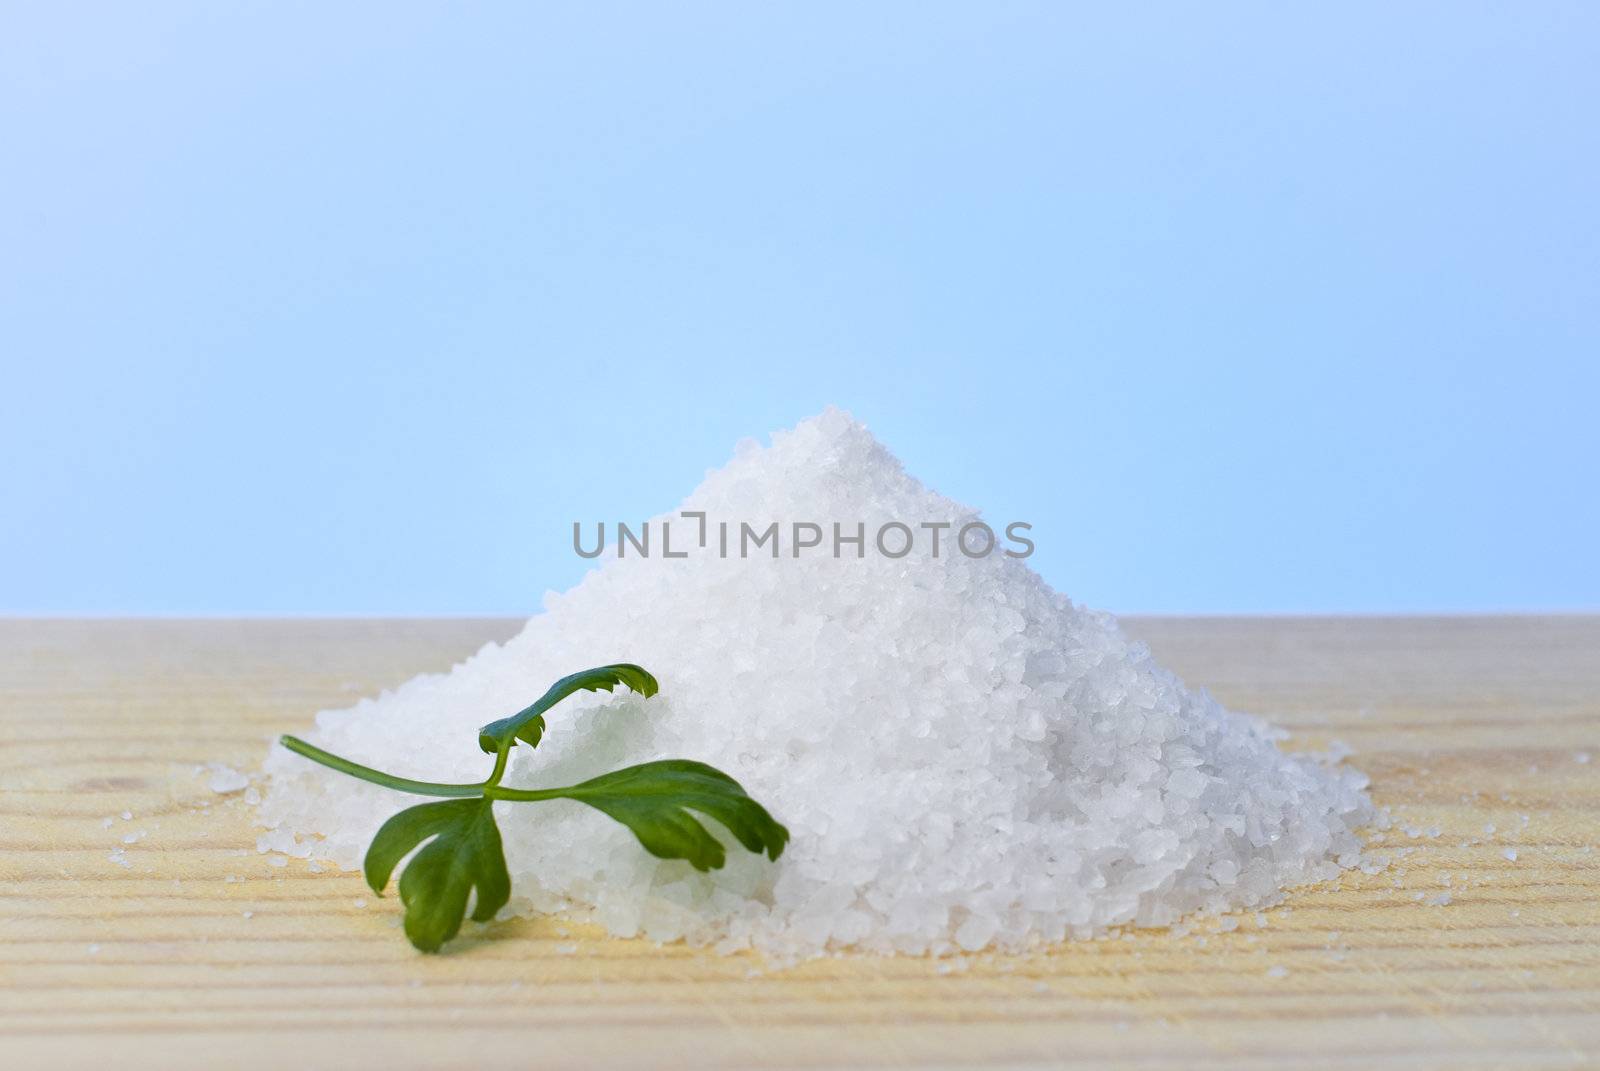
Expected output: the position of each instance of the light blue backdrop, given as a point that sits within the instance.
(355, 307)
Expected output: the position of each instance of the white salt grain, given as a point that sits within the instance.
(964, 757)
(225, 779)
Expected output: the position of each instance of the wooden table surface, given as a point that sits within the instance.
(139, 926)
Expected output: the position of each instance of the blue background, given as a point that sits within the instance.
(355, 308)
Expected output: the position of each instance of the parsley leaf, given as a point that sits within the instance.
(464, 853)
(655, 799)
(527, 724)
(457, 844)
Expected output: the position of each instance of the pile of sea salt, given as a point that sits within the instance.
(964, 758)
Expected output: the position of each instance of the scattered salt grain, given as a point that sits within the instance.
(1511, 854)
(965, 758)
(225, 779)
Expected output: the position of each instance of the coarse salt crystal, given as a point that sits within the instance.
(225, 779)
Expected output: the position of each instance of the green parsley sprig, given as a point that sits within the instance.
(461, 850)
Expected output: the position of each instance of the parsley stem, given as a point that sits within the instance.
(500, 757)
(378, 777)
(525, 795)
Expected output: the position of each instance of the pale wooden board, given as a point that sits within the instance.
(1460, 722)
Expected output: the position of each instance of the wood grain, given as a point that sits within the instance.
(187, 948)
